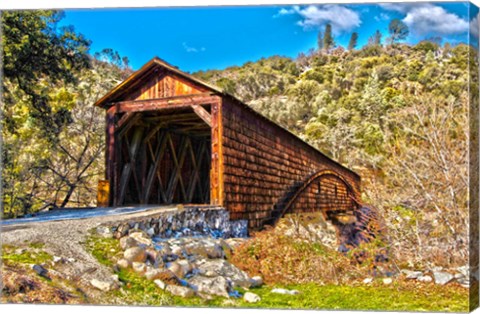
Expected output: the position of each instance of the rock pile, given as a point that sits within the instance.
(186, 266)
(181, 222)
(440, 276)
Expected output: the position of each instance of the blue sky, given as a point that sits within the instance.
(205, 38)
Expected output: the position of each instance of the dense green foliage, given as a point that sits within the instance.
(52, 135)
(398, 115)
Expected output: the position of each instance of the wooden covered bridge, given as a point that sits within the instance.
(172, 138)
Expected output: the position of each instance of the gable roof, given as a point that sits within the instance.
(144, 71)
(157, 63)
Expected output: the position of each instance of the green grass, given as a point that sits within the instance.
(385, 298)
(9, 256)
(400, 296)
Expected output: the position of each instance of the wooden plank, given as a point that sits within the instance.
(221, 186)
(153, 170)
(128, 123)
(129, 167)
(110, 154)
(176, 176)
(197, 163)
(203, 114)
(164, 103)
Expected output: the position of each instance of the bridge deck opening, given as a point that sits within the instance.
(164, 158)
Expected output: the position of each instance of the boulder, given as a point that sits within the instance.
(220, 267)
(186, 265)
(183, 292)
(151, 231)
(40, 270)
(196, 249)
(425, 278)
(135, 254)
(251, 297)
(123, 263)
(412, 274)
(153, 274)
(139, 267)
(442, 278)
(128, 242)
(176, 269)
(142, 238)
(256, 281)
(210, 285)
(105, 232)
(215, 251)
(122, 231)
(103, 285)
(285, 291)
(160, 284)
(177, 250)
(153, 256)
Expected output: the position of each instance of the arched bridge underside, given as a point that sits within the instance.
(323, 191)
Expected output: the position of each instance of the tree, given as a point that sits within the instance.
(375, 39)
(328, 41)
(39, 57)
(398, 30)
(320, 41)
(353, 41)
(35, 50)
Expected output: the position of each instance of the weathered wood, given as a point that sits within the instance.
(197, 162)
(231, 155)
(164, 103)
(130, 166)
(203, 114)
(110, 153)
(176, 176)
(153, 170)
(126, 123)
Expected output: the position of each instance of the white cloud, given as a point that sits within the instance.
(399, 7)
(341, 18)
(474, 27)
(192, 49)
(434, 19)
(382, 17)
(424, 18)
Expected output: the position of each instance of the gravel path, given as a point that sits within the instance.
(66, 238)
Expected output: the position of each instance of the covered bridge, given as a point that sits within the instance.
(172, 138)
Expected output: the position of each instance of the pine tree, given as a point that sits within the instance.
(375, 39)
(328, 41)
(320, 41)
(398, 30)
(353, 41)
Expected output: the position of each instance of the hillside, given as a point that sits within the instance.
(396, 114)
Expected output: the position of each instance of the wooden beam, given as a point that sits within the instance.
(153, 170)
(197, 162)
(164, 103)
(176, 176)
(128, 167)
(203, 114)
(110, 154)
(129, 120)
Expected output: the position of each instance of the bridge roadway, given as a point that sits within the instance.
(71, 214)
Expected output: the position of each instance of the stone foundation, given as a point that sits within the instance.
(184, 221)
